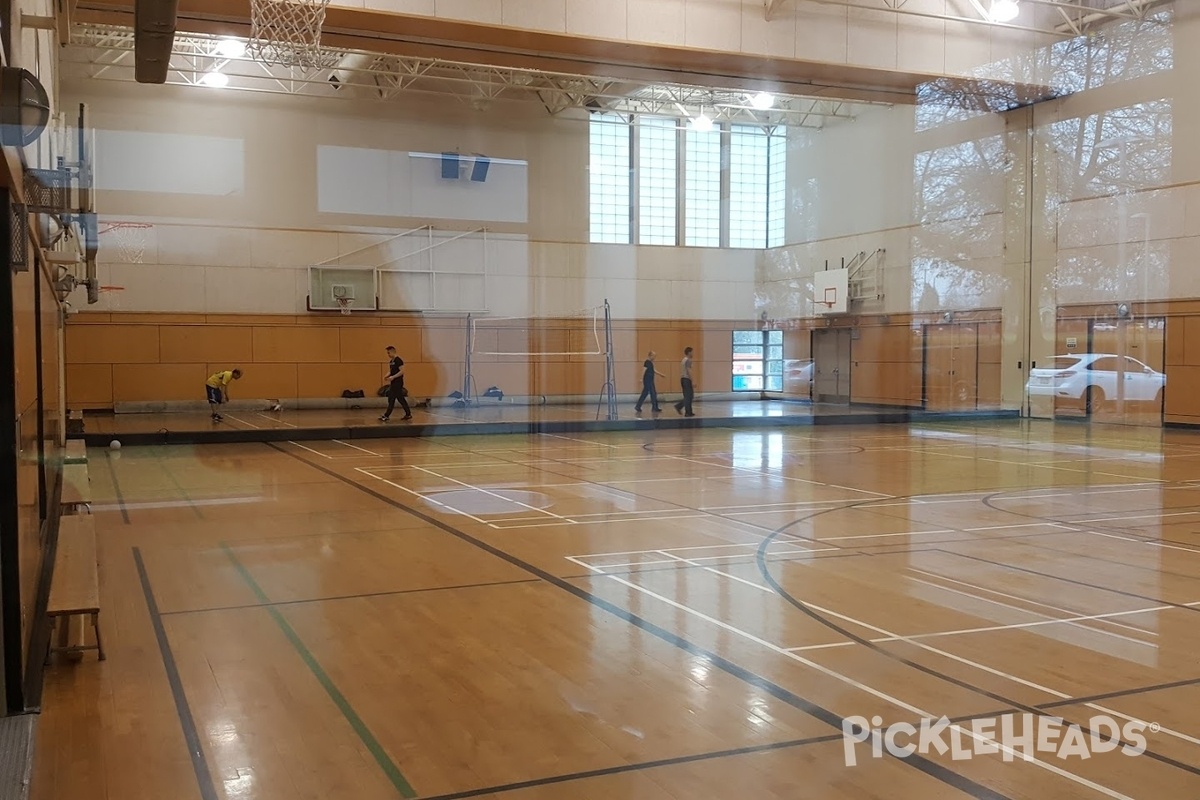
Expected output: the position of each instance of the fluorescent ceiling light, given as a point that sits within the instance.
(231, 48)
(1004, 10)
(762, 101)
(702, 123)
(217, 80)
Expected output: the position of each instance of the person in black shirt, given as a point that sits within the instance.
(396, 390)
(648, 389)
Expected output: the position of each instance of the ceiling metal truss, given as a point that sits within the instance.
(104, 52)
(1061, 18)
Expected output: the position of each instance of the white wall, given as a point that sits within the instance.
(245, 192)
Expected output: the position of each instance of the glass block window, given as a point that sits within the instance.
(657, 180)
(609, 171)
(702, 182)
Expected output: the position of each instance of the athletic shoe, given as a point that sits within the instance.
(384, 418)
(406, 416)
(679, 408)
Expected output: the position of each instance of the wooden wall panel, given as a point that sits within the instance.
(261, 381)
(311, 357)
(296, 344)
(90, 385)
(1174, 345)
(368, 345)
(209, 343)
(146, 382)
(330, 380)
(885, 363)
(113, 344)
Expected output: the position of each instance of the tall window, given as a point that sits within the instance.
(609, 179)
(657, 179)
(749, 160)
(776, 189)
(702, 185)
(757, 361)
(747, 186)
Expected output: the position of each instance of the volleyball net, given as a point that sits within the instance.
(540, 358)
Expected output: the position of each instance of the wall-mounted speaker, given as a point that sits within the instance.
(480, 170)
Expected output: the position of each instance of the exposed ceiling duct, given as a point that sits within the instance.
(154, 38)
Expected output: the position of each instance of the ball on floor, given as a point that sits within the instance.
(114, 445)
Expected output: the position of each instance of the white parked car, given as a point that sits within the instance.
(1092, 378)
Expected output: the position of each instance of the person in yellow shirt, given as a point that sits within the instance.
(217, 387)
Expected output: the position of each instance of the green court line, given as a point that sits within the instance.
(364, 733)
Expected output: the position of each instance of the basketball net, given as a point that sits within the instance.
(344, 304)
(130, 238)
(288, 33)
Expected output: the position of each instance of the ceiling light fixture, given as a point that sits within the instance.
(215, 79)
(762, 101)
(231, 48)
(702, 123)
(1004, 10)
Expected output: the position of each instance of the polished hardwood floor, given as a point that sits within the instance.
(658, 614)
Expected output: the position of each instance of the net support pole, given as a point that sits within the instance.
(466, 390)
(609, 392)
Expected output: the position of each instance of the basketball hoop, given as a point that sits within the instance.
(130, 238)
(344, 303)
(288, 33)
(830, 299)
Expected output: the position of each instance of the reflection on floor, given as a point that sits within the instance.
(653, 613)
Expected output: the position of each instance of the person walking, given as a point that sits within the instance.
(216, 388)
(685, 383)
(396, 390)
(648, 389)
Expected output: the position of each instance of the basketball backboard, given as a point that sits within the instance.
(831, 291)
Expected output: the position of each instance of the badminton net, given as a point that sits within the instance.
(577, 334)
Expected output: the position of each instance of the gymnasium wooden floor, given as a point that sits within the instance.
(679, 614)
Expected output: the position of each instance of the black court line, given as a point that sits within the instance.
(393, 593)
(1064, 579)
(186, 721)
(765, 573)
(669, 762)
(1159, 687)
(930, 768)
(117, 487)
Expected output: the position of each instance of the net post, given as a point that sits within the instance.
(609, 391)
(466, 390)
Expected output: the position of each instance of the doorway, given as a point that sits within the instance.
(952, 367)
(831, 365)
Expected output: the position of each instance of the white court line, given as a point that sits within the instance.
(998, 593)
(448, 508)
(777, 475)
(1047, 619)
(1010, 527)
(766, 505)
(1133, 516)
(244, 422)
(675, 549)
(881, 535)
(272, 419)
(1142, 541)
(867, 689)
(309, 449)
(580, 441)
(472, 487)
(356, 447)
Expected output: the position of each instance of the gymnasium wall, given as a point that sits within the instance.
(246, 191)
(139, 358)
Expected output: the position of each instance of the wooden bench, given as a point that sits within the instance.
(75, 452)
(76, 487)
(75, 587)
(75, 421)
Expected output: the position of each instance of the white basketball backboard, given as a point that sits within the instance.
(831, 291)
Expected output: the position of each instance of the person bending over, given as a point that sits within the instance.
(217, 389)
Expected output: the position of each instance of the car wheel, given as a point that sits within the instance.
(1094, 398)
